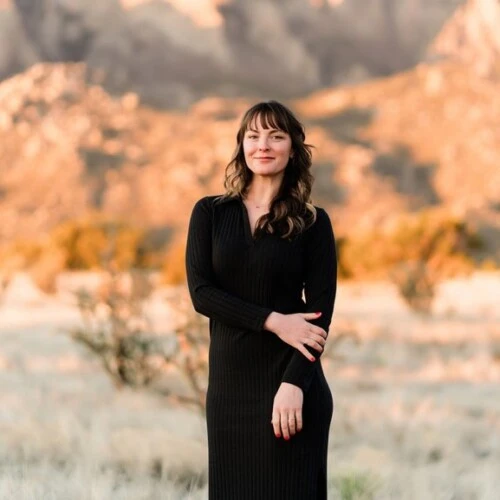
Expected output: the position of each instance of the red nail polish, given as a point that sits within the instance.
(287, 438)
(278, 435)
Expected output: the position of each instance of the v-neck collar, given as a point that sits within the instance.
(247, 229)
(249, 237)
(246, 223)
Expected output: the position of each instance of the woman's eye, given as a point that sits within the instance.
(278, 137)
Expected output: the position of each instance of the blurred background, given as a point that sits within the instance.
(116, 116)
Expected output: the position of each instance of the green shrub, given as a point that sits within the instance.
(355, 486)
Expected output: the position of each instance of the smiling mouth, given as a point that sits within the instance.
(264, 158)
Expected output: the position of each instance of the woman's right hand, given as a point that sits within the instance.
(295, 330)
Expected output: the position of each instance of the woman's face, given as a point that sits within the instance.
(267, 151)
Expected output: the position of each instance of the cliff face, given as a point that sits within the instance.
(472, 35)
(426, 137)
(173, 56)
(68, 148)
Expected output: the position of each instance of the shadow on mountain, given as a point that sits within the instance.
(408, 177)
(325, 189)
(344, 126)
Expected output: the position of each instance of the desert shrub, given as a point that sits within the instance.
(94, 242)
(50, 262)
(416, 253)
(20, 254)
(174, 266)
(355, 486)
(446, 244)
(89, 242)
(429, 249)
(117, 330)
(415, 285)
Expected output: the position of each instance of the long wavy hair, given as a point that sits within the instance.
(291, 211)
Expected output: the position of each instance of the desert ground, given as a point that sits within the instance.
(417, 402)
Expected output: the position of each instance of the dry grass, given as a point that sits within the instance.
(416, 409)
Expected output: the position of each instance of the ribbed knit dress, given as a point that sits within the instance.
(237, 281)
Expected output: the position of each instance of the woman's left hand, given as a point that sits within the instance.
(287, 410)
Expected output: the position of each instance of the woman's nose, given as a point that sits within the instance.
(263, 144)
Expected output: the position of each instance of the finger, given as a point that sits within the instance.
(318, 338)
(320, 332)
(305, 352)
(284, 425)
(276, 423)
(298, 418)
(312, 315)
(291, 423)
(313, 344)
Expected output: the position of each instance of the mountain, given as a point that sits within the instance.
(472, 35)
(425, 137)
(67, 148)
(175, 53)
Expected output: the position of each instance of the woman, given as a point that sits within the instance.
(250, 254)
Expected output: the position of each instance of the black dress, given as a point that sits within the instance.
(237, 281)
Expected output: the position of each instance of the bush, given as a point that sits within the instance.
(117, 330)
(416, 253)
(94, 242)
(174, 267)
(356, 486)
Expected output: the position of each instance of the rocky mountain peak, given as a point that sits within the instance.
(473, 36)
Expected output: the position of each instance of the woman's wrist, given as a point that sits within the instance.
(271, 322)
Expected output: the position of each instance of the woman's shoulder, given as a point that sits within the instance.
(214, 200)
(321, 215)
(321, 223)
(209, 202)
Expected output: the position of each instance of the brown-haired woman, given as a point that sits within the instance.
(251, 252)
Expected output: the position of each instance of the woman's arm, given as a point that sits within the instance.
(207, 298)
(320, 289)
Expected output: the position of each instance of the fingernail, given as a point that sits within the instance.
(278, 435)
(311, 359)
(318, 313)
(287, 438)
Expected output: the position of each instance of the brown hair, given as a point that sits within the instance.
(291, 210)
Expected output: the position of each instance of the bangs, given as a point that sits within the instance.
(267, 117)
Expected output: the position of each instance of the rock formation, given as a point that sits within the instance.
(261, 48)
(424, 137)
(473, 36)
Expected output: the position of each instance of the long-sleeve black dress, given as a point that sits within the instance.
(237, 281)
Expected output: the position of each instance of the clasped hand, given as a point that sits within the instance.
(295, 330)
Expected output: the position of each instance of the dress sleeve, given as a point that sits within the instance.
(320, 288)
(207, 298)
